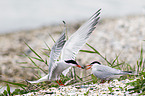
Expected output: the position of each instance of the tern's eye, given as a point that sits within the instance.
(71, 61)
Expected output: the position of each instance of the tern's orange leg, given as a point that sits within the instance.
(61, 84)
(60, 81)
(102, 81)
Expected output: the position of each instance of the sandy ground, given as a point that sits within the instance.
(112, 36)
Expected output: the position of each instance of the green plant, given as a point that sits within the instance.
(86, 94)
(16, 92)
(111, 89)
(94, 78)
(140, 62)
(98, 53)
(139, 84)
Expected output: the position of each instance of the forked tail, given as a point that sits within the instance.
(130, 72)
(45, 78)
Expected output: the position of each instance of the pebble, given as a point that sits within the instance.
(118, 89)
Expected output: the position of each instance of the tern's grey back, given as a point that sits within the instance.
(106, 73)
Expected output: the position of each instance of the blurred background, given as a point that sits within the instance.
(121, 30)
(29, 14)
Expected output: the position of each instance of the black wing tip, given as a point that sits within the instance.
(128, 71)
(64, 22)
(98, 12)
(96, 16)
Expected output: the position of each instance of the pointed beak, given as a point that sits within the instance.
(79, 66)
(88, 67)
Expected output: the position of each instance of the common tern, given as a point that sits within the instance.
(55, 71)
(105, 72)
(68, 50)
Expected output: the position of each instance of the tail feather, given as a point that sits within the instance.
(45, 78)
(130, 72)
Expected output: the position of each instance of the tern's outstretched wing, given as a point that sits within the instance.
(55, 52)
(79, 38)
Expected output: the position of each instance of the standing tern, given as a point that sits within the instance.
(105, 72)
(68, 50)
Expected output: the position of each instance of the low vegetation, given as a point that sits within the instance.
(138, 86)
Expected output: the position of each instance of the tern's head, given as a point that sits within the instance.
(73, 63)
(93, 63)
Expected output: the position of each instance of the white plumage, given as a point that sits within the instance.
(68, 50)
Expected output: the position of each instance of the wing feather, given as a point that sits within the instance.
(55, 52)
(79, 38)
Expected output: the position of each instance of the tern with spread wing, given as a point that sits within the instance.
(105, 72)
(68, 50)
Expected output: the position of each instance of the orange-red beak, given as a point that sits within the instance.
(89, 66)
(79, 66)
